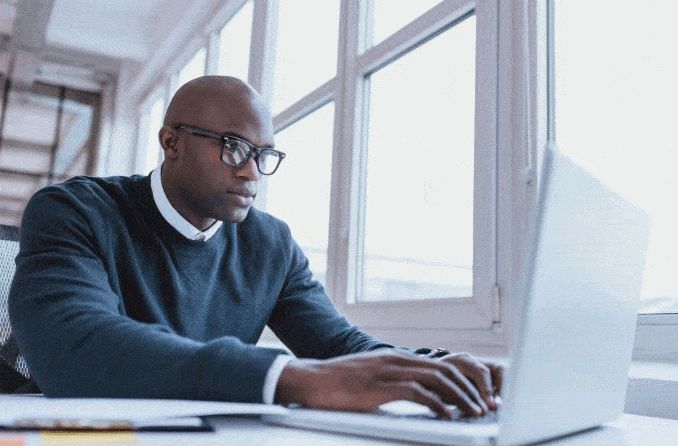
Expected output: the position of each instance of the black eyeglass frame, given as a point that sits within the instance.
(254, 151)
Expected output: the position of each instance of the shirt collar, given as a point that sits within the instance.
(173, 217)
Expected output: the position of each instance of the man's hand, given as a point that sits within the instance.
(487, 377)
(364, 381)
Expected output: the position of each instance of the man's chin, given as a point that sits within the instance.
(236, 215)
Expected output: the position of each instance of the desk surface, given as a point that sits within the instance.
(628, 430)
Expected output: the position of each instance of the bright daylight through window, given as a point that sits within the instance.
(391, 15)
(418, 240)
(154, 116)
(299, 191)
(193, 68)
(615, 103)
(306, 49)
(234, 43)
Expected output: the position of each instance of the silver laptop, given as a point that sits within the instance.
(571, 355)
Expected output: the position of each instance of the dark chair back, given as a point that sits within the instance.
(14, 375)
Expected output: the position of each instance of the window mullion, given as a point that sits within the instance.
(212, 56)
(343, 191)
(262, 47)
(305, 106)
(419, 31)
(262, 60)
(348, 175)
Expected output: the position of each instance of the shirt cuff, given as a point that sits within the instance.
(272, 376)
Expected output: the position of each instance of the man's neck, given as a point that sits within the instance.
(172, 216)
(176, 199)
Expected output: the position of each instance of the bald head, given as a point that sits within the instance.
(204, 97)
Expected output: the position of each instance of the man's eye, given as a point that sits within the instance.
(231, 145)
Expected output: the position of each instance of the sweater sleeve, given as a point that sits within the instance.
(72, 329)
(305, 319)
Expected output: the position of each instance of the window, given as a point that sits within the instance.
(413, 229)
(306, 49)
(194, 68)
(418, 236)
(615, 96)
(234, 43)
(48, 136)
(299, 192)
(391, 15)
(152, 113)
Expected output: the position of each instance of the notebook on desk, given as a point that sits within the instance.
(35, 412)
(571, 357)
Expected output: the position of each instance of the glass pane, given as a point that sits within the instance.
(234, 43)
(299, 192)
(194, 68)
(419, 199)
(306, 50)
(75, 133)
(31, 118)
(28, 135)
(615, 98)
(156, 114)
(391, 15)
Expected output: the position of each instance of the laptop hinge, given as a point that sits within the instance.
(496, 307)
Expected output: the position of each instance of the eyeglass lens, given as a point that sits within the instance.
(236, 152)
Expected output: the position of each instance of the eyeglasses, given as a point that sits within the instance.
(235, 151)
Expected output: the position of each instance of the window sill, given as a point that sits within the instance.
(651, 390)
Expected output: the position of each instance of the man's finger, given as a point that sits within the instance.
(497, 376)
(451, 372)
(478, 373)
(438, 382)
(417, 393)
(467, 386)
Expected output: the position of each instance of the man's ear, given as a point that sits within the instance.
(168, 141)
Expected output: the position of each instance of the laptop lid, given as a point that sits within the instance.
(572, 351)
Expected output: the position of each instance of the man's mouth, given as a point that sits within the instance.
(244, 198)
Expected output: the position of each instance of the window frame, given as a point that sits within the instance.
(356, 61)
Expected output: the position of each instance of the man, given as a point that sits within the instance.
(160, 286)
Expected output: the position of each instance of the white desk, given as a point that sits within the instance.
(628, 430)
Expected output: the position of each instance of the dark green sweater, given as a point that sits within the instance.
(110, 300)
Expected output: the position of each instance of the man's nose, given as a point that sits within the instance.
(249, 170)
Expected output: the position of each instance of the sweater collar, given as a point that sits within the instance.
(183, 226)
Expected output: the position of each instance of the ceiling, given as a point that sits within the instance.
(79, 44)
(117, 29)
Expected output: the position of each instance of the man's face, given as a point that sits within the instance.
(211, 188)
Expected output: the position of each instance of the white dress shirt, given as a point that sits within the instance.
(185, 228)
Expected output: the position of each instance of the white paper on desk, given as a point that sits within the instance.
(13, 407)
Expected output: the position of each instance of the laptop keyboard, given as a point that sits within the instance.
(489, 418)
